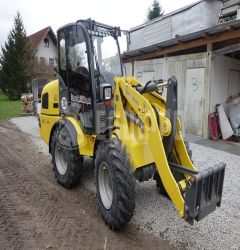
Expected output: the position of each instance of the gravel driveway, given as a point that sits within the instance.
(156, 215)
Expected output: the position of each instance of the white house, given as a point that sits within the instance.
(44, 42)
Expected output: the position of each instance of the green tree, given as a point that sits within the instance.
(154, 11)
(16, 62)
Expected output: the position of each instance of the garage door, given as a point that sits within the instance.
(193, 104)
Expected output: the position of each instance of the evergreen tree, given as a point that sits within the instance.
(155, 10)
(16, 62)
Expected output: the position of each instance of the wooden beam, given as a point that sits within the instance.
(209, 47)
(226, 43)
(178, 39)
(230, 28)
(179, 42)
(205, 35)
(158, 48)
(227, 35)
(227, 50)
(143, 51)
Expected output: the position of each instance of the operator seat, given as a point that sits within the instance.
(81, 101)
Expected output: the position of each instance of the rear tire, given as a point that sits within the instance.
(115, 184)
(65, 158)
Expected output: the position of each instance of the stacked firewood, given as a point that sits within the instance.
(27, 103)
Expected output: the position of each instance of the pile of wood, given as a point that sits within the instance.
(27, 103)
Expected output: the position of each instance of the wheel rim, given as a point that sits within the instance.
(61, 159)
(105, 185)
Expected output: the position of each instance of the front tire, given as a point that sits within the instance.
(115, 184)
(65, 158)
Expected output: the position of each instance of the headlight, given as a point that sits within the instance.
(107, 94)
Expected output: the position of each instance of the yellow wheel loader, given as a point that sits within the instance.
(131, 132)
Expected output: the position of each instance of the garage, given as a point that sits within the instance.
(205, 62)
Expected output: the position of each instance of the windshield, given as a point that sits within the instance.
(107, 57)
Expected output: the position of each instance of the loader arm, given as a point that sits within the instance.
(151, 134)
(144, 126)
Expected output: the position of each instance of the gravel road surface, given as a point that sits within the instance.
(157, 216)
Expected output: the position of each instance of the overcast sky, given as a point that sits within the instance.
(40, 14)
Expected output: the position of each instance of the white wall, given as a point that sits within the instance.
(221, 79)
(199, 17)
(178, 66)
(50, 52)
(149, 69)
(128, 69)
(202, 16)
(224, 80)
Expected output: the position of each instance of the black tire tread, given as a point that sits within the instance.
(122, 208)
(74, 169)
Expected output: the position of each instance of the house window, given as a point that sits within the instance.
(46, 42)
(51, 62)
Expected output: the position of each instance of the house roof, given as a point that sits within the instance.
(37, 37)
(212, 35)
(165, 16)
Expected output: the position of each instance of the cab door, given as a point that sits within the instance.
(76, 96)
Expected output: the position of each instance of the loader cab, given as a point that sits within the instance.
(89, 59)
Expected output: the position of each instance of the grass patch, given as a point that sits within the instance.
(9, 109)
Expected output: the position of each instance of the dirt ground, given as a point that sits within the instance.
(37, 213)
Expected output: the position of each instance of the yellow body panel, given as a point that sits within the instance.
(49, 117)
(46, 125)
(52, 89)
(85, 142)
(130, 134)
